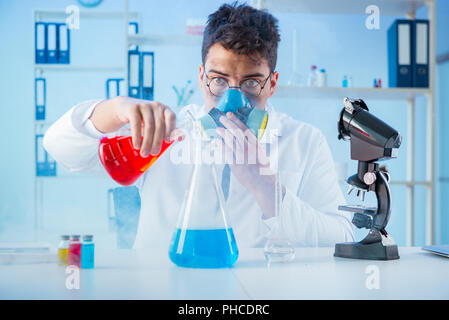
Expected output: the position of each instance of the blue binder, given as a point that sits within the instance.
(134, 75)
(63, 43)
(52, 43)
(113, 88)
(45, 166)
(400, 54)
(133, 28)
(40, 97)
(420, 53)
(147, 69)
(40, 39)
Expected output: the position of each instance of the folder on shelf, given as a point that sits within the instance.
(420, 53)
(52, 35)
(133, 28)
(400, 54)
(148, 75)
(134, 75)
(114, 88)
(40, 39)
(122, 88)
(111, 89)
(45, 165)
(63, 47)
(40, 97)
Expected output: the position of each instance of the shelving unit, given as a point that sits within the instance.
(84, 14)
(42, 69)
(406, 8)
(340, 93)
(388, 7)
(175, 39)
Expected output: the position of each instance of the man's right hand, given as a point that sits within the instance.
(150, 119)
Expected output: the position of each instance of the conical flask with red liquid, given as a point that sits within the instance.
(122, 161)
(203, 237)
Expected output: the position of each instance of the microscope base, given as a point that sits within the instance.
(371, 251)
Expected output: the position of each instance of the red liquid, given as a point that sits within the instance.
(74, 255)
(124, 163)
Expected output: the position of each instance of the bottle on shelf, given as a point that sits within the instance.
(312, 79)
(344, 83)
(350, 82)
(322, 78)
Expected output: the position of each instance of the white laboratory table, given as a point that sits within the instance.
(314, 274)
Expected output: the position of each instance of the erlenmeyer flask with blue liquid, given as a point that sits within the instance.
(203, 237)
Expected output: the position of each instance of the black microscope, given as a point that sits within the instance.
(371, 140)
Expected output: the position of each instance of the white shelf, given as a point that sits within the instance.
(75, 177)
(39, 125)
(43, 15)
(411, 183)
(355, 93)
(386, 7)
(174, 39)
(68, 67)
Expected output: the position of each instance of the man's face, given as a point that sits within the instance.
(235, 69)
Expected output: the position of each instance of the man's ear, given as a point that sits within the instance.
(273, 81)
(200, 76)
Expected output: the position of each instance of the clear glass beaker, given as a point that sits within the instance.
(278, 247)
(203, 237)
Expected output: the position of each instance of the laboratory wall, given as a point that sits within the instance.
(443, 178)
(77, 203)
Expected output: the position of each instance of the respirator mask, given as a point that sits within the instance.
(234, 101)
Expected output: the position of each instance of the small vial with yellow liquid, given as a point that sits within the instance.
(63, 250)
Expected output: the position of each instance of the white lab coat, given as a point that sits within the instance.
(309, 208)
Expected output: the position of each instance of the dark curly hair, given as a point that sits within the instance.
(243, 30)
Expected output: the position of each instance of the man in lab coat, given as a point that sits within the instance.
(239, 50)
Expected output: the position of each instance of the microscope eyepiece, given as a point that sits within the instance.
(371, 138)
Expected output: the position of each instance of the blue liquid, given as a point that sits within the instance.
(208, 248)
(87, 255)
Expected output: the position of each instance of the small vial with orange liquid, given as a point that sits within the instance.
(63, 250)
